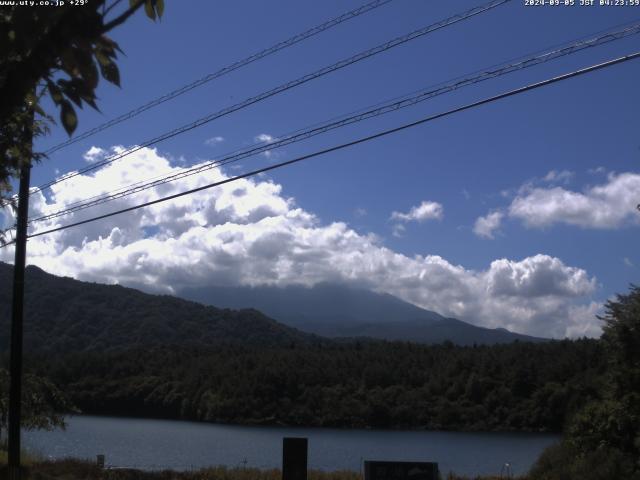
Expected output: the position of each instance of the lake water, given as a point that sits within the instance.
(159, 444)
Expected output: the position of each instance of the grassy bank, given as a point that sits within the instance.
(85, 470)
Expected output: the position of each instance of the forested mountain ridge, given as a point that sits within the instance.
(119, 351)
(333, 310)
(63, 314)
(67, 315)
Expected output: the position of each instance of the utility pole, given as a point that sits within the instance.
(17, 309)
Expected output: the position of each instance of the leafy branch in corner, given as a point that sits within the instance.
(58, 52)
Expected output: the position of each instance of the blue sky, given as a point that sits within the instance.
(493, 159)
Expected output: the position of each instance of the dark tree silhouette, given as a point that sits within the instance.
(56, 51)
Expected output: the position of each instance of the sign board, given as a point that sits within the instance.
(374, 470)
(100, 461)
(294, 459)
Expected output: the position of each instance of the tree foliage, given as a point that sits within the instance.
(614, 421)
(622, 340)
(56, 51)
(603, 438)
(43, 404)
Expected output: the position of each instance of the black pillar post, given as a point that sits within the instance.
(294, 459)
(15, 365)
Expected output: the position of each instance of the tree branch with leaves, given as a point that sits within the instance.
(44, 404)
(57, 51)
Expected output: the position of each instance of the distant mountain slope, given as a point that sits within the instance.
(309, 305)
(341, 311)
(66, 315)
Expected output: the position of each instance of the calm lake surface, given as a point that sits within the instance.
(158, 444)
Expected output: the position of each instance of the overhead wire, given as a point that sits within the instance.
(368, 7)
(284, 87)
(510, 93)
(347, 119)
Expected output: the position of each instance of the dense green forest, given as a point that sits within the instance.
(520, 386)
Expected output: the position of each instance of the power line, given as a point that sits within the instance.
(380, 109)
(223, 71)
(287, 86)
(468, 106)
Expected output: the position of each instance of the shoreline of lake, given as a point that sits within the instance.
(265, 424)
(180, 445)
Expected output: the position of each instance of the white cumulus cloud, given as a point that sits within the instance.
(608, 205)
(425, 211)
(487, 225)
(94, 154)
(248, 232)
(214, 140)
(266, 138)
(555, 176)
(398, 230)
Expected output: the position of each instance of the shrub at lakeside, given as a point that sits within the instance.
(602, 441)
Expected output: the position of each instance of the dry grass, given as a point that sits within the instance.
(72, 469)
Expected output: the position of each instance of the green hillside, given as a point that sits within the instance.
(63, 315)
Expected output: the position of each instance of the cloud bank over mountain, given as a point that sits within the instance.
(248, 232)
